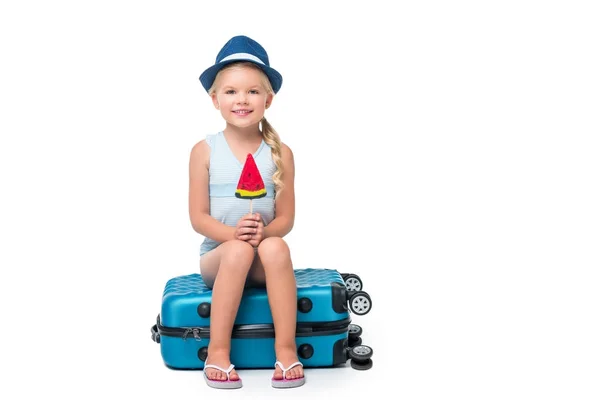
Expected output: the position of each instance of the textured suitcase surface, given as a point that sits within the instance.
(323, 322)
(321, 297)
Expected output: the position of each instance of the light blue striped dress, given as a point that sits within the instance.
(224, 173)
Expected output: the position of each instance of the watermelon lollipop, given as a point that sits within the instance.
(250, 185)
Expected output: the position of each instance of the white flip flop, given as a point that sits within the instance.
(218, 384)
(287, 383)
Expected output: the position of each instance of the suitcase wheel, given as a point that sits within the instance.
(361, 365)
(360, 357)
(354, 331)
(360, 303)
(352, 282)
(354, 342)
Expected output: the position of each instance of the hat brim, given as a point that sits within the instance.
(208, 77)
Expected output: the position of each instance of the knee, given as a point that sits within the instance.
(237, 254)
(274, 251)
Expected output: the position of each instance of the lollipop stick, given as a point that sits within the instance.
(250, 206)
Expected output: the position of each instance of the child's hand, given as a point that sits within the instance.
(247, 227)
(257, 236)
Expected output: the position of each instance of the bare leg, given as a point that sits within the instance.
(224, 269)
(275, 257)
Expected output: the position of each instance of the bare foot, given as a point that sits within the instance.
(220, 359)
(287, 356)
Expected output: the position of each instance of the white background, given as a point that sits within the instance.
(447, 152)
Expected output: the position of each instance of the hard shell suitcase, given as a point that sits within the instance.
(325, 335)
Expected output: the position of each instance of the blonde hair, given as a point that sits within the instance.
(269, 134)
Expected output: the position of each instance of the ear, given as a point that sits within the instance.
(269, 101)
(214, 100)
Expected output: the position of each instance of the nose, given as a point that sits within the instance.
(242, 99)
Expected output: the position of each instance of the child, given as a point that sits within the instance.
(240, 248)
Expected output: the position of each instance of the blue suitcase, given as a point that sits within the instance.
(325, 335)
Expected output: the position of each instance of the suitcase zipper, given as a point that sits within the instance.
(258, 330)
(187, 331)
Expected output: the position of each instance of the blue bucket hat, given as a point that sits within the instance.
(242, 48)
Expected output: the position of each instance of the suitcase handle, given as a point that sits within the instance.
(155, 334)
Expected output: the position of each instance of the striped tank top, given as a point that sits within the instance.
(224, 173)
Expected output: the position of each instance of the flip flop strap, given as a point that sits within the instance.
(227, 371)
(285, 370)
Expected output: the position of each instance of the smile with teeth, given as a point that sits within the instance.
(242, 112)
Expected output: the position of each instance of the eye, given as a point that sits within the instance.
(230, 91)
(254, 91)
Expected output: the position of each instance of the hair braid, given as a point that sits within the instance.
(271, 137)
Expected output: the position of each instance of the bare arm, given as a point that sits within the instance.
(199, 206)
(285, 205)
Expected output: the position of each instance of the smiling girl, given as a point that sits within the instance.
(242, 249)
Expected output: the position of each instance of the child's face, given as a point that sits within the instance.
(241, 97)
